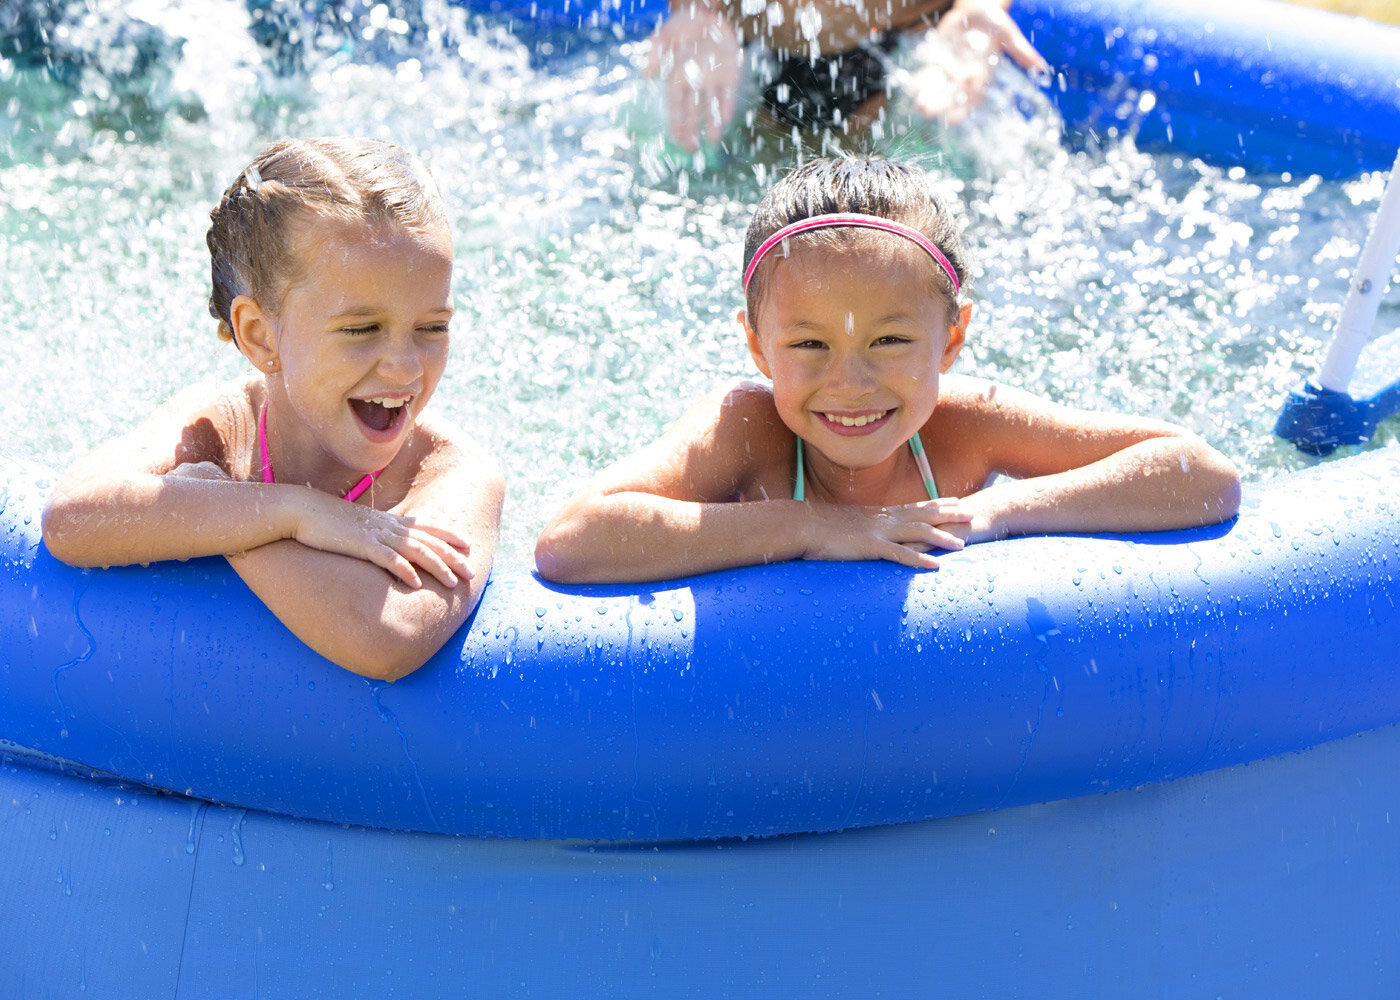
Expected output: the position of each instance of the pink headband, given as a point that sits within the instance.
(861, 221)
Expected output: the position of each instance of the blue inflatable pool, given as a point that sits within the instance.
(1257, 83)
(797, 698)
(176, 757)
(1269, 86)
(1057, 767)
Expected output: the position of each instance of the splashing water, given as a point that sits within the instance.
(597, 266)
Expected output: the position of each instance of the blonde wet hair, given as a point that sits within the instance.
(346, 180)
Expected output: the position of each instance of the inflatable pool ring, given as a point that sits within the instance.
(1269, 86)
(734, 705)
(792, 698)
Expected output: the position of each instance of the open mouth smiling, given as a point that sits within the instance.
(381, 413)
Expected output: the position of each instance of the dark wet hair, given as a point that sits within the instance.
(868, 186)
(349, 180)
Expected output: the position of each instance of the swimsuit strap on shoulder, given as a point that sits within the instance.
(799, 489)
(267, 477)
(262, 445)
(916, 445)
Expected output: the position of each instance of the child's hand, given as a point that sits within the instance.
(903, 534)
(394, 542)
(697, 54)
(960, 54)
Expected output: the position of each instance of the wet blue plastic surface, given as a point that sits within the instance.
(1319, 420)
(792, 698)
(1273, 879)
(1269, 86)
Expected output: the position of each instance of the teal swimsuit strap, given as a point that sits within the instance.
(799, 491)
(916, 445)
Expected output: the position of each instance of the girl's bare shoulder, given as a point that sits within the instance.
(969, 397)
(205, 422)
(721, 448)
(758, 446)
(216, 422)
(991, 410)
(748, 404)
(740, 421)
(977, 430)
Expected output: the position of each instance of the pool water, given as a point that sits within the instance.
(598, 266)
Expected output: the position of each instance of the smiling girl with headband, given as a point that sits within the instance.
(860, 446)
(367, 527)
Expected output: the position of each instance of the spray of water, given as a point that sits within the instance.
(597, 265)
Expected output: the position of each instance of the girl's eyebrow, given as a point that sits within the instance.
(359, 311)
(902, 316)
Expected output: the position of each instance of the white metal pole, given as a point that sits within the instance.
(1364, 298)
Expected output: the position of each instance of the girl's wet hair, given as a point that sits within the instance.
(251, 240)
(866, 186)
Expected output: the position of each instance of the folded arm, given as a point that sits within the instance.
(1068, 470)
(375, 591)
(363, 617)
(704, 498)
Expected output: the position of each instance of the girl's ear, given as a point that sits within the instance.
(254, 333)
(957, 333)
(755, 348)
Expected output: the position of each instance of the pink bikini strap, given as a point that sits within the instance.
(266, 459)
(858, 221)
(262, 446)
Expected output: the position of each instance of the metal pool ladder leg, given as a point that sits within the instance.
(1321, 414)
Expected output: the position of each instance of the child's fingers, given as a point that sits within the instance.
(456, 561)
(942, 512)
(452, 551)
(683, 108)
(422, 552)
(925, 535)
(947, 540)
(912, 558)
(397, 566)
(446, 534)
(1015, 44)
(656, 54)
(445, 561)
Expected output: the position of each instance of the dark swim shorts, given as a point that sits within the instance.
(823, 91)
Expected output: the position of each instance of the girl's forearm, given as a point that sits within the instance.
(146, 518)
(355, 614)
(639, 537)
(1155, 485)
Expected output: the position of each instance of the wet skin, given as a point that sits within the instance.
(355, 350)
(854, 344)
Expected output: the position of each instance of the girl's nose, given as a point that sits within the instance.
(852, 373)
(402, 362)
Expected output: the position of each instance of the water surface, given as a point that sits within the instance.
(598, 267)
